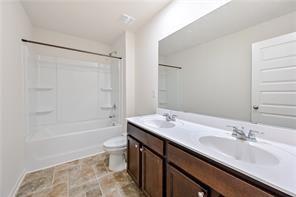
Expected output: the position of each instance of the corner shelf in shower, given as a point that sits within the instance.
(106, 89)
(163, 103)
(42, 88)
(44, 110)
(106, 107)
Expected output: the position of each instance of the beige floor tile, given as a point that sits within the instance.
(122, 178)
(114, 193)
(90, 189)
(93, 160)
(59, 190)
(84, 174)
(39, 174)
(131, 190)
(96, 192)
(60, 177)
(108, 184)
(34, 185)
(100, 169)
(89, 177)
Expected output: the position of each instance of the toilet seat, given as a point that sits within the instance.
(116, 142)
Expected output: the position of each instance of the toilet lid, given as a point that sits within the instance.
(116, 142)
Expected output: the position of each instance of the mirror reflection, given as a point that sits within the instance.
(238, 62)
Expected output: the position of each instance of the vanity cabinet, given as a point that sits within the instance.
(145, 161)
(215, 178)
(162, 168)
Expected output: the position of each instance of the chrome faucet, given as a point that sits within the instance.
(169, 117)
(252, 135)
(240, 134)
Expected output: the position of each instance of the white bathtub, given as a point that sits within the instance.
(51, 145)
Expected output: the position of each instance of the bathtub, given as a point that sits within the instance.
(52, 145)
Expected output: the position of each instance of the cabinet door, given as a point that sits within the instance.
(179, 185)
(133, 159)
(152, 173)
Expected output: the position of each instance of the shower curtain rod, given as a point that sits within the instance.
(165, 65)
(71, 49)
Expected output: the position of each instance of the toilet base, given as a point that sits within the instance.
(117, 162)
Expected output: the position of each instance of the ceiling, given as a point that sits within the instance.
(230, 18)
(97, 20)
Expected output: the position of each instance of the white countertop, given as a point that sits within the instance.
(281, 176)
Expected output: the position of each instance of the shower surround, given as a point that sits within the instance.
(73, 105)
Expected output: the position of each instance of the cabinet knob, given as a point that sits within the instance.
(200, 194)
(255, 107)
(136, 145)
(141, 149)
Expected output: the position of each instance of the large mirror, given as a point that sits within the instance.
(238, 62)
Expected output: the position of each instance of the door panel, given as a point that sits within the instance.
(152, 173)
(274, 81)
(179, 185)
(133, 164)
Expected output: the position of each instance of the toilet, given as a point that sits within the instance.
(115, 147)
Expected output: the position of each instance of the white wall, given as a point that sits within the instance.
(172, 18)
(130, 74)
(14, 26)
(1, 130)
(119, 47)
(125, 48)
(58, 38)
(217, 74)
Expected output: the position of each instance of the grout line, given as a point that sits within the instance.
(98, 181)
(68, 183)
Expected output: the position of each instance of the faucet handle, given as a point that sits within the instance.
(166, 114)
(252, 133)
(174, 116)
(233, 127)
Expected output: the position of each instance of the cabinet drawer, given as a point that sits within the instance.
(223, 182)
(147, 139)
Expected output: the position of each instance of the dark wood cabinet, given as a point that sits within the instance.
(221, 181)
(163, 168)
(152, 173)
(179, 185)
(145, 162)
(133, 161)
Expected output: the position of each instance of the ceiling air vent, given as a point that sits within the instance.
(127, 19)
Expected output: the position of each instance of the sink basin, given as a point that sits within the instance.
(158, 123)
(239, 150)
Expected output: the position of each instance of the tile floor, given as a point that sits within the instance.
(88, 177)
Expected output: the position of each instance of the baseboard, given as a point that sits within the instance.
(17, 184)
